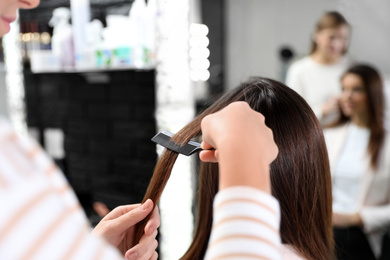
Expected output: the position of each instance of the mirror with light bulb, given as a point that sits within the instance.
(251, 37)
(245, 38)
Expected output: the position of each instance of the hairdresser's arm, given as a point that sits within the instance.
(40, 215)
(242, 144)
(346, 220)
(117, 228)
(245, 217)
(370, 218)
(327, 111)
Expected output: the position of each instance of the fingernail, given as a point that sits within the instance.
(146, 205)
(152, 228)
(133, 256)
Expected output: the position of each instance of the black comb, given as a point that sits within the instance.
(164, 138)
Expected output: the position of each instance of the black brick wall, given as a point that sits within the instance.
(107, 123)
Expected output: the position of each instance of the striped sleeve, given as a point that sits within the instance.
(41, 217)
(245, 225)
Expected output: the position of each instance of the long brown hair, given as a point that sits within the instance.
(300, 177)
(373, 87)
(330, 20)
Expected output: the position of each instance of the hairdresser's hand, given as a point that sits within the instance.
(243, 146)
(346, 220)
(118, 229)
(330, 107)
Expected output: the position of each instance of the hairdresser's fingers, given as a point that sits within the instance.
(153, 222)
(206, 146)
(154, 256)
(121, 210)
(122, 223)
(226, 125)
(273, 148)
(108, 226)
(144, 249)
(209, 131)
(208, 156)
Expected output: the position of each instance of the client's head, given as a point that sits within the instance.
(300, 177)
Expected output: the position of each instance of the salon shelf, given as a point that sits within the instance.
(93, 70)
(44, 11)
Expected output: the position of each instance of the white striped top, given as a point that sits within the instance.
(245, 225)
(40, 216)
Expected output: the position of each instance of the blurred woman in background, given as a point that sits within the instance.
(359, 152)
(316, 77)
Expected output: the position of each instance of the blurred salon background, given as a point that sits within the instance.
(94, 80)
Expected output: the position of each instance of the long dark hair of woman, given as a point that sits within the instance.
(300, 177)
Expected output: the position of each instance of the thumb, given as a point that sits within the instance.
(132, 217)
(206, 146)
(208, 156)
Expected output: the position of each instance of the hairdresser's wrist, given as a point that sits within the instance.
(243, 168)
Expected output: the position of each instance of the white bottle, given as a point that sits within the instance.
(137, 21)
(62, 40)
(94, 41)
(81, 14)
(150, 29)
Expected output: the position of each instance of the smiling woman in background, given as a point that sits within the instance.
(359, 152)
(317, 77)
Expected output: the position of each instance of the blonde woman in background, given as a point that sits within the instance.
(316, 77)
